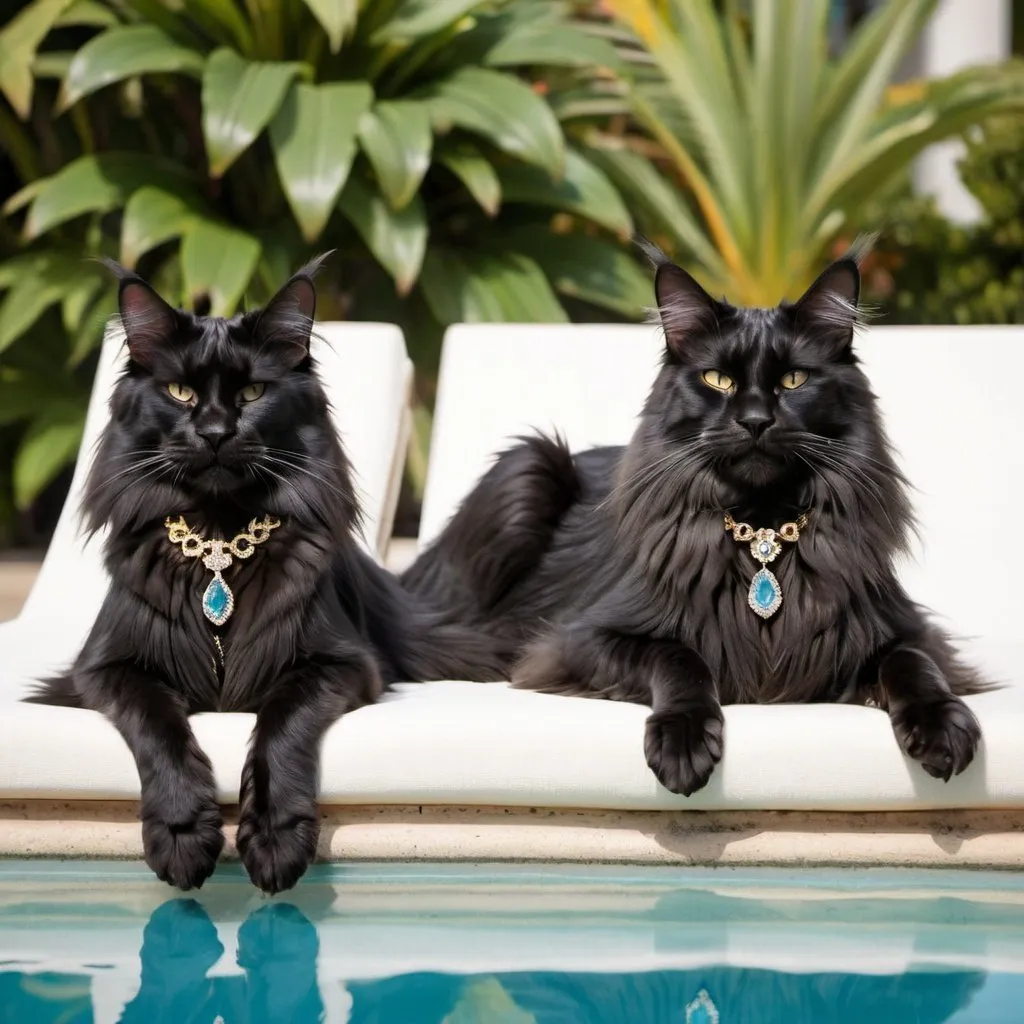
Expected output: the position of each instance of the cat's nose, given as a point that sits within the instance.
(756, 421)
(216, 434)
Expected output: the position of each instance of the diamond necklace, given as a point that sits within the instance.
(765, 593)
(218, 601)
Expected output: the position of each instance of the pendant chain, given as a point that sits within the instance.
(218, 600)
(765, 594)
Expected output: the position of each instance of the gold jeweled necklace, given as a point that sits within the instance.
(765, 594)
(218, 601)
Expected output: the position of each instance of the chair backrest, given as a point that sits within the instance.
(949, 395)
(367, 376)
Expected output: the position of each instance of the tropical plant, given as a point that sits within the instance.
(928, 270)
(217, 144)
(778, 144)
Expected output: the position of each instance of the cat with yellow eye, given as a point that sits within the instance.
(237, 582)
(739, 549)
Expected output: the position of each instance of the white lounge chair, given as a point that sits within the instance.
(451, 770)
(367, 375)
(950, 397)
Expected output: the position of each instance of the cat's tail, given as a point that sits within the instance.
(57, 692)
(500, 532)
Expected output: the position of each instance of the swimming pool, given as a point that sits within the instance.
(456, 944)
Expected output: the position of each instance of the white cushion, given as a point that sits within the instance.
(485, 744)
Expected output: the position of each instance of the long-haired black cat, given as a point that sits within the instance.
(220, 432)
(739, 549)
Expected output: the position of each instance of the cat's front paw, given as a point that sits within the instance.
(184, 853)
(682, 747)
(276, 856)
(942, 734)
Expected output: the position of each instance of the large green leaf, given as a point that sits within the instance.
(336, 17)
(218, 261)
(41, 284)
(239, 99)
(314, 141)
(96, 184)
(587, 268)
(121, 52)
(24, 395)
(93, 13)
(477, 173)
(227, 21)
(78, 299)
(396, 138)
(414, 19)
(661, 205)
(397, 238)
(50, 443)
(500, 108)
(153, 216)
(583, 190)
(481, 288)
(19, 41)
(555, 45)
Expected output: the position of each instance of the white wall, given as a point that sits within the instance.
(961, 33)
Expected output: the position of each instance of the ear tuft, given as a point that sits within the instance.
(831, 302)
(286, 322)
(684, 308)
(149, 323)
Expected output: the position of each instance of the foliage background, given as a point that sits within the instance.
(467, 160)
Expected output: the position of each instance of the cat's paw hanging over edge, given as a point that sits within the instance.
(683, 746)
(184, 854)
(943, 735)
(276, 856)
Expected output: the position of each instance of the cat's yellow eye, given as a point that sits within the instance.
(718, 380)
(794, 379)
(251, 392)
(181, 392)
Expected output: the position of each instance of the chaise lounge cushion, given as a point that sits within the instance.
(949, 398)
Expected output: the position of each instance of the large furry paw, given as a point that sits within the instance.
(184, 853)
(942, 734)
(276, 857)
(682, 747)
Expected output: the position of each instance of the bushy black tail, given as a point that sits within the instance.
(57, 692)
(501, 531)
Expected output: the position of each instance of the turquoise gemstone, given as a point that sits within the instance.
(765, 593)
(217, 601)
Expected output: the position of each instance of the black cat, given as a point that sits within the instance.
(222, 422)
(616, 572)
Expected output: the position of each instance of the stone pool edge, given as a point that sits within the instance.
(978, 839)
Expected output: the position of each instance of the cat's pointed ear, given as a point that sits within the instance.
(149, 323)
(684, 308)
(285, 324)
(830, 304)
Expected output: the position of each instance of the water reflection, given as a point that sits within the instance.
(277, 976)
(277, 950)
(710, 996)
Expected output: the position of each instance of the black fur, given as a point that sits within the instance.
(318, 629)
(610, 573)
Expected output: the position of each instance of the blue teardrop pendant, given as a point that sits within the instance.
(765, 594)
(218, 601)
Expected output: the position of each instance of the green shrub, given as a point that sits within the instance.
(929, 270)
(218, 144)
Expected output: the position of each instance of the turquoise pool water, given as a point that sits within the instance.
(87, 943)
